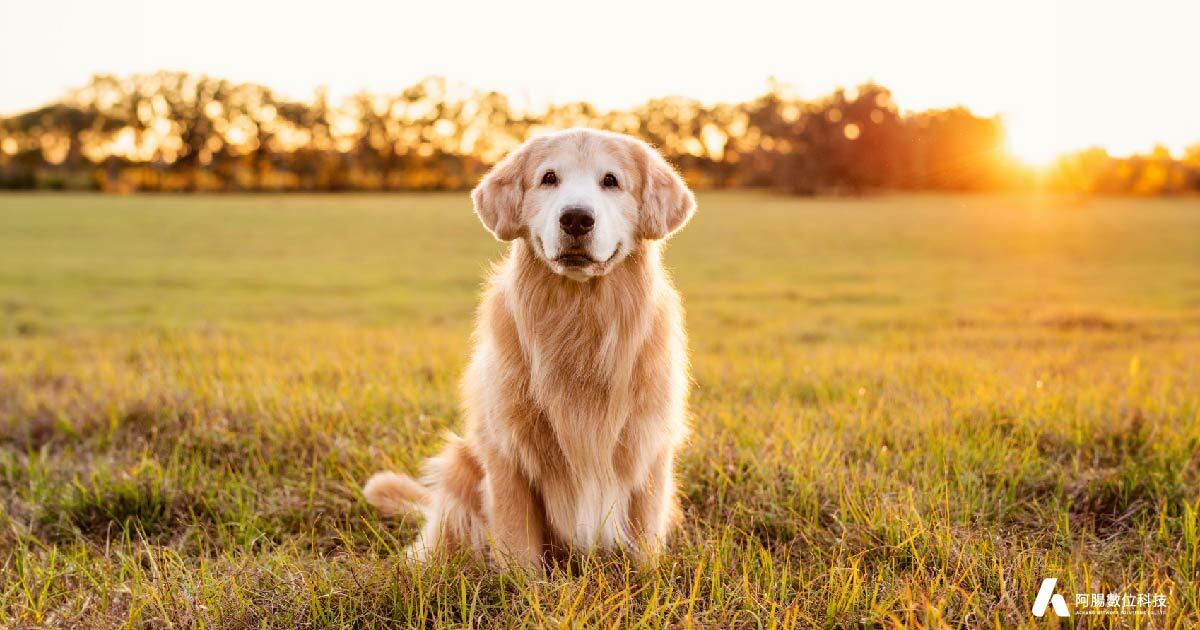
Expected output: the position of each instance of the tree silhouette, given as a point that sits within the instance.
(174, 131)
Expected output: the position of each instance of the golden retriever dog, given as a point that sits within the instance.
(575, 397)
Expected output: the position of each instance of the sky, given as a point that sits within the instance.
(1064, 74)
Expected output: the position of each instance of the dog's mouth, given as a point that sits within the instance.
(574, 260)
(578, 259)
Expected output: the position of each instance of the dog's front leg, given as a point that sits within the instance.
(652, 508)
(514, 514)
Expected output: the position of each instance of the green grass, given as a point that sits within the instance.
(906, 410)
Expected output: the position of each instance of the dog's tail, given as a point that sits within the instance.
(392, 493)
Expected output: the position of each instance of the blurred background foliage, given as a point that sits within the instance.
(180, 132)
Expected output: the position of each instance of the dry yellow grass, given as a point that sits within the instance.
(907, 410)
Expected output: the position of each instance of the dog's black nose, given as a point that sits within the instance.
(577, 220)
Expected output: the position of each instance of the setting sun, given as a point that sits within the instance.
(1032, 140)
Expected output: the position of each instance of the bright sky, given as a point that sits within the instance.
(1065, 74)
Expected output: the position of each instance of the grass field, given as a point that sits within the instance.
(906, 410)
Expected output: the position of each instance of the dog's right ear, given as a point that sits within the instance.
(498, 196)
(667, 204)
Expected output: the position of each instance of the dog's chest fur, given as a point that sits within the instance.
(591, 361)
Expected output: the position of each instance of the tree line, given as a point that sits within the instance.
(174, 131)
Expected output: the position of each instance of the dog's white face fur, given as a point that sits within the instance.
(589, 181)
(583, 199)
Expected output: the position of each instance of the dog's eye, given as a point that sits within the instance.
(609, 181)
(549, 179)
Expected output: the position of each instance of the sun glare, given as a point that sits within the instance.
(1033, 140)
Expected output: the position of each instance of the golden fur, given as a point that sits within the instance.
(575, 396)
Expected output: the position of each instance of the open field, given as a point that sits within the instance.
(906, 410)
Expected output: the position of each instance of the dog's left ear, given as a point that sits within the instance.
(667, 204)
(498, 196)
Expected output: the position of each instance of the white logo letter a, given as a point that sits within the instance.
(1046, 595)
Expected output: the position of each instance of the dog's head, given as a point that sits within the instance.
(583, 199)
